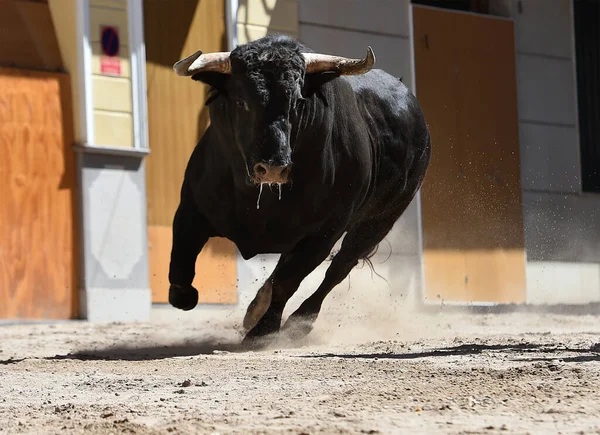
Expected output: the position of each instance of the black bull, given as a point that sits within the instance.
(341, 147)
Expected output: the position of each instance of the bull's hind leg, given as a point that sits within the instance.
(358, 243)
(259, 305)
(190, 234)
(290, 271)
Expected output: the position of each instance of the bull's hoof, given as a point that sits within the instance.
(254, 343)
(184, 298)
(263, 333)
(298, 326)
(257, 308)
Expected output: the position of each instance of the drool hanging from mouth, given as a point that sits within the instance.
(260, 189)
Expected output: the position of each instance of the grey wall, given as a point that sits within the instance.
(561, 224)
(385, 27)
(547, 100)
(115, 282)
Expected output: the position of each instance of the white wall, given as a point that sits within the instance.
(562, 234)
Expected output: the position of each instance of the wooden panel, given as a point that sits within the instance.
(113, 129)
(445, 271)
(250, 32)
(115, 4)
(471, 198)
(275, 14)
(177, 118)
(27, 36)
(495, 257)
(443, 224)
(495, 275)
(64, 17)
(216, 274)
(38, 254)
(112, 93)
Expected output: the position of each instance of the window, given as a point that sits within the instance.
(587, 61)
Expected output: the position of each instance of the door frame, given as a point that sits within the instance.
(135, 15)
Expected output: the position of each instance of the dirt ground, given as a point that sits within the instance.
(404, 372)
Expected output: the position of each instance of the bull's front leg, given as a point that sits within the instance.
(190, 234)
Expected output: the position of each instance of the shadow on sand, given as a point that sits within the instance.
(7, 362)
(153, 351)
(156, 351)
(549, 352)
(520, 352)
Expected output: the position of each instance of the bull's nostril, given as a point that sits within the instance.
(260, 169)
(266, 173)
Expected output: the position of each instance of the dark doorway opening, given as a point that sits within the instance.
(478, 6)
(587, 55)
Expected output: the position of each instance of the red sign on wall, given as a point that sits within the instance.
(109, 41)
(110, 65)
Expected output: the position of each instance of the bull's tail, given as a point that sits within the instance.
(370, 254)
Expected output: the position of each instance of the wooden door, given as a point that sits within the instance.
(471, 198)
(38, 255)
(177, 118)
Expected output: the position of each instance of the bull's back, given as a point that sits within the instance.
(398, 133)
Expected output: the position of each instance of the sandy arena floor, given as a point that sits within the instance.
(407, 373)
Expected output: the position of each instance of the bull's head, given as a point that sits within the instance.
(261, 83)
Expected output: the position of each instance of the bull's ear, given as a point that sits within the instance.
(314, 81)
(213, 79)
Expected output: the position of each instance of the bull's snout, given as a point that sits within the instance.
(264, 173)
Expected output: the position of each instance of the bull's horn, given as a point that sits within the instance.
(316, 62)
(198, 62)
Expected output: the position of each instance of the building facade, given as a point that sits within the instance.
(508, 214)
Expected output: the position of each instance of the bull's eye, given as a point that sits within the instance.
(241, 104)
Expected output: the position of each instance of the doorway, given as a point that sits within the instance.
(39, 253)
(473, 242)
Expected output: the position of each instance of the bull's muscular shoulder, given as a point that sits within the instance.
(396, 125)
(386, 99)
(380, 86)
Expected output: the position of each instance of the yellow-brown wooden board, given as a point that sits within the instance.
(27, 36)
(38, 244)
(471, 198)
(216, 274)
(177, 118)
